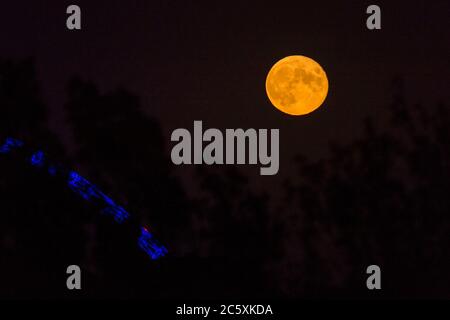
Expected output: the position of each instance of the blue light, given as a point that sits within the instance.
(150, 245)
(9, 144)
(37, 159)
(89, 192)
(80, 185)
(119, 214)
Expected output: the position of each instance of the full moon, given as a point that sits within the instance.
(297, 85)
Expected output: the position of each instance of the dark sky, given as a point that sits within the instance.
(207, 60)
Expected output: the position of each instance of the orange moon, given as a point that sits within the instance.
(297, 85)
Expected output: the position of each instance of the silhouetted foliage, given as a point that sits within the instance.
(381, 199)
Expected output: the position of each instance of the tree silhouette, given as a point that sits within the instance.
(41, 228)
(381, 199)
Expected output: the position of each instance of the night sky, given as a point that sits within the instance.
(208, 60)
